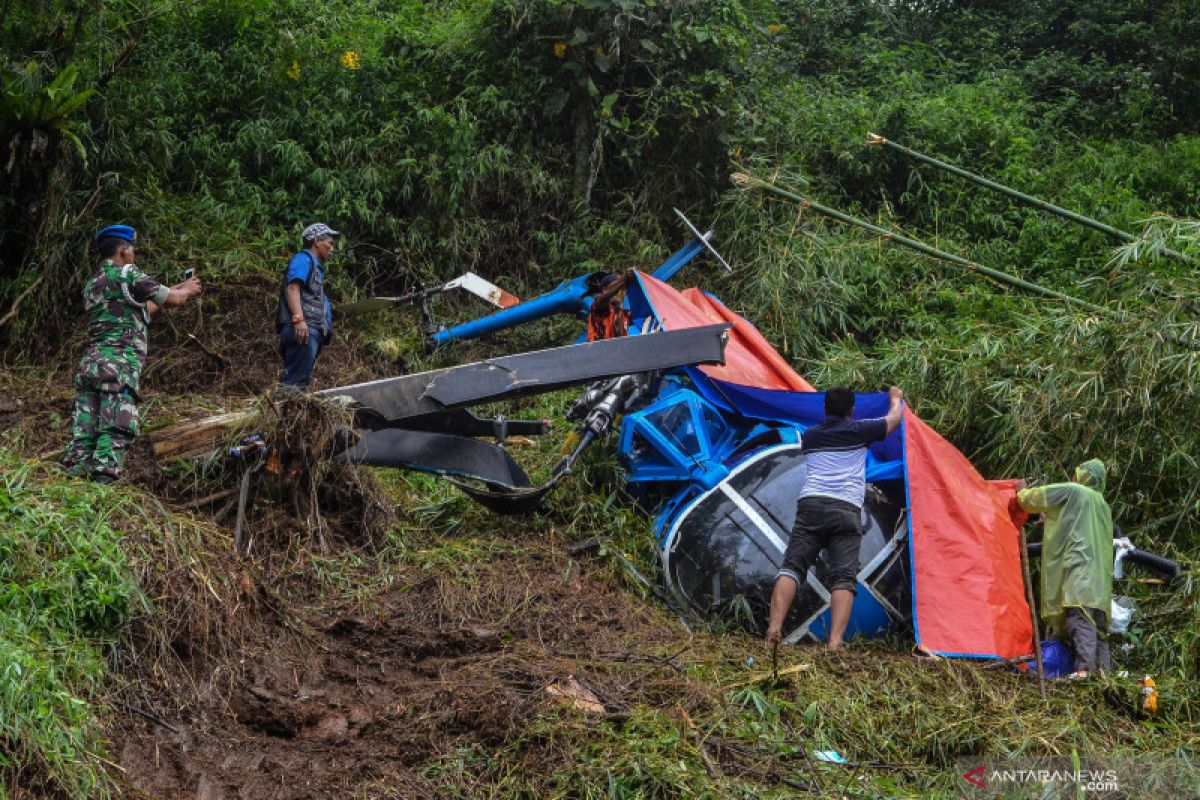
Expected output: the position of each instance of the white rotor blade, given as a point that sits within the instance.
(487, 290)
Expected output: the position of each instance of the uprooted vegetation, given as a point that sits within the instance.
(268, 468)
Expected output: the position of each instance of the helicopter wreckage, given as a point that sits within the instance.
(708, 420)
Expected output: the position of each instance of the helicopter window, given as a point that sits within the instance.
(679, 426)
(643, 450)
(717, 432)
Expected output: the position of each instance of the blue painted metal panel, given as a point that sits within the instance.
(679, 437)
(867, 618)
(678, 260)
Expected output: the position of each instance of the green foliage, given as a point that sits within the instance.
(1023, 385)
(649, 756)
(64, 591)
(633, 87)
(1093, 65)
(1164, 639)
(46, 108)
(1019, 384)
(1159, 235)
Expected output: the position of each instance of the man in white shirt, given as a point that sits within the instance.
(829, 510)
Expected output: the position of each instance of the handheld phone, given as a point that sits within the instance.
(189, 273)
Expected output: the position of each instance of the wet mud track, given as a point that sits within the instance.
(362, 702)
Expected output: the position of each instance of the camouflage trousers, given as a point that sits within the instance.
(102, 429)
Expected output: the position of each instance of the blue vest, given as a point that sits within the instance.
(312, 299)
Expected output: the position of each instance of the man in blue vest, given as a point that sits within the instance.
(305, 317)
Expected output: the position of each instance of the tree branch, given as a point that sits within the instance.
(12, 311)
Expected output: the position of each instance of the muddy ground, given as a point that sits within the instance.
(485, 674)
(216, 353)
(362, 699)
(259, 692)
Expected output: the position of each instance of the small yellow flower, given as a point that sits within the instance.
(350, 60)
(294, 70)
(560, 49)
(774, 29)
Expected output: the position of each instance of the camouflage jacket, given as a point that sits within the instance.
(115, 300)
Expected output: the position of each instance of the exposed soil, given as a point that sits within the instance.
(226, 345)
(37, 409)
(357, 705)
(222, 344)
(215, 353)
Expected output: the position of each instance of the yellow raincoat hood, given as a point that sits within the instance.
(1092, 474)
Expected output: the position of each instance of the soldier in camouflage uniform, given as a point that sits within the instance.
(119, 300)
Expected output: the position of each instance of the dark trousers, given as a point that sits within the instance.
(825, 523)
(299, 359)
(1087, 636)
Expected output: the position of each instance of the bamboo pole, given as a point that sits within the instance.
(1033, 615)
(874, 139)
(747, 181)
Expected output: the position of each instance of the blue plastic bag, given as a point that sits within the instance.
(1056, 658)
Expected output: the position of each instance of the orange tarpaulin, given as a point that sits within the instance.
(968, 595)
(750, 360)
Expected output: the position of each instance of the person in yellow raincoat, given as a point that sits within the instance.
(1077, 562)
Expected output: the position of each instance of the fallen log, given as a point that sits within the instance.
(197, 437)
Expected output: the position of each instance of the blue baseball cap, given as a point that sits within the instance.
(116, 232)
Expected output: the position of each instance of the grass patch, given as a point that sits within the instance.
(65, 590)
(724, 732)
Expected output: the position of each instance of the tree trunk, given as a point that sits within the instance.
(584, 149)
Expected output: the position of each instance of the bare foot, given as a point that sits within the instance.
(834, 646)
(774, 635)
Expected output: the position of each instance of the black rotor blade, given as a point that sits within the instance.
(507, 501)
(438, 391)
(463, 423)
(440, 454)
